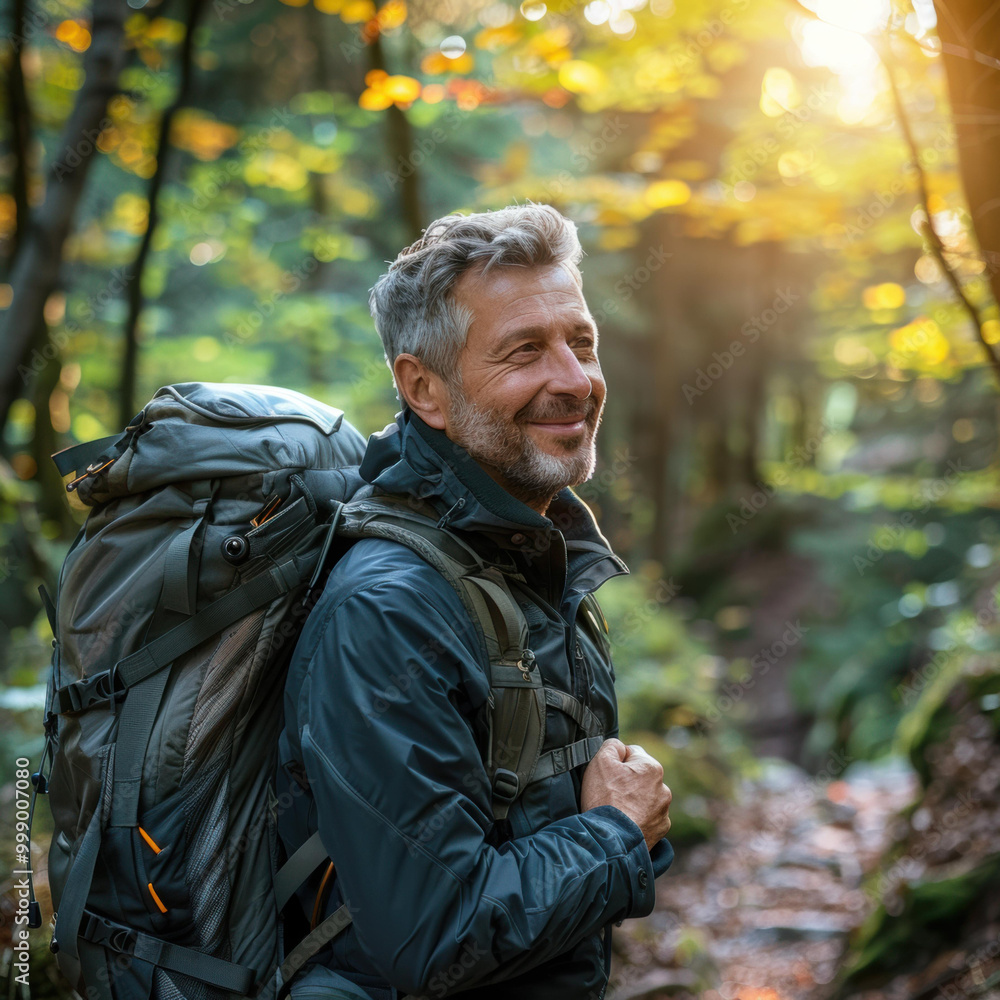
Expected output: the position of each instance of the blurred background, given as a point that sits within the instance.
(791, 214)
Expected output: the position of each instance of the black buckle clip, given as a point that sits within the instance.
(505, 785)
(88, 691)
(100, 930)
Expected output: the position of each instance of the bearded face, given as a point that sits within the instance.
(525, 394)
(507, 448)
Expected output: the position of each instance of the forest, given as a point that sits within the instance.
(791, 220)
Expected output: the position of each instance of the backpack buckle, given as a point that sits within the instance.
(80, 695)
(505, 785)
(102, 931)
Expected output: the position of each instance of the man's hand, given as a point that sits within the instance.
(627, 778)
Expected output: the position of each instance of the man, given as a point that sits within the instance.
(494, 355)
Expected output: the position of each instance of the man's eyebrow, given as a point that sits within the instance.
(585, 326)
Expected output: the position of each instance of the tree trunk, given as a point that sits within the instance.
(133, 292)
(970, 36)
(400, 140)
(19, 115)
(36, 270)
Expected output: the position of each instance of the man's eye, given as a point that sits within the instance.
(524, 349)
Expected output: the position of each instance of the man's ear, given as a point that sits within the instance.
(425, 393)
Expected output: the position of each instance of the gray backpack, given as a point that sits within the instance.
(177, 610)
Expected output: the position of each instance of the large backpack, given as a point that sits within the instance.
(177, 609)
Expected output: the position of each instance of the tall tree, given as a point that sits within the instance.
(36, 270)
(126, 400)
(970, 39)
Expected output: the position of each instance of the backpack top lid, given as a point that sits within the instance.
(208, 430)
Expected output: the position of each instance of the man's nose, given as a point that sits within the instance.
(568, 376)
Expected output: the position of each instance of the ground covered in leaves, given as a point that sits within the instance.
(860, 882)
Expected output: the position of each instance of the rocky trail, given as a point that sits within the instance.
(766, 909)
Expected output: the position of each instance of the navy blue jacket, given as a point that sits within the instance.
(382, 689)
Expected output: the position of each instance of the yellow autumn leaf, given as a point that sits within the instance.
(166, 29)
(8, 218)
(581, 77)
(74, 34)
(130, 213)
(552, 45)
(436, 63)
(401, 89)
(779, 92)
(921, 339)
(887, 295)
(277, 170)
(319, 161)
(357, 10)
(666, 194)
(493, 39)
(374, 100)
(618, 237)
(852, 352)
(205, 137)
(392, 15)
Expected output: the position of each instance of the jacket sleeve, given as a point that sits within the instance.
(403, 810)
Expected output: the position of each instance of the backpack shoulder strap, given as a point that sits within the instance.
(515, 710)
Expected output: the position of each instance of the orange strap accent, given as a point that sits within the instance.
(268, 510)
(321, 896)
(156, 899)
(149, 840)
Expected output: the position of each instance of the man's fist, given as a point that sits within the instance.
(629, 779)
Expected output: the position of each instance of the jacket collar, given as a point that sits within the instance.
(411, 457)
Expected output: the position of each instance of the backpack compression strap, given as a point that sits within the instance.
(143, 674)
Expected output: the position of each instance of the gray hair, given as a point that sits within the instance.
(412, 305)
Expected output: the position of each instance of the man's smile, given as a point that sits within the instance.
(564, 428)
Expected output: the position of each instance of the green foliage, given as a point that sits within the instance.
(932, 911)
(667, 685)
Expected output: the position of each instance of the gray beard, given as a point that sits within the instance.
(531, 475)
